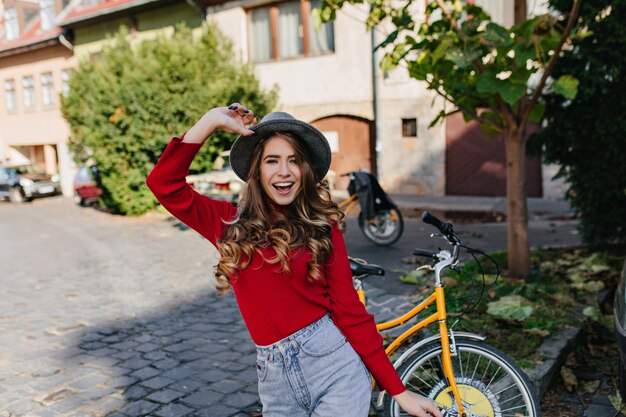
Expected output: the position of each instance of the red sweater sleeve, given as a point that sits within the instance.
(168, 184)
(354, 321)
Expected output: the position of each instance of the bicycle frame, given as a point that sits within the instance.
(349, 203)
(446, 337)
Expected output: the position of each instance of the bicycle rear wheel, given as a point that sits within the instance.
(384, 229)
(490, 383)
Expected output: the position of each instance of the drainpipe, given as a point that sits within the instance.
(65, 42)
(199, 9)
(375, 103)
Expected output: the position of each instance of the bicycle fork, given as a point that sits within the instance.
(447, 349)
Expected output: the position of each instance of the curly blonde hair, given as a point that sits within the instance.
(305, 223)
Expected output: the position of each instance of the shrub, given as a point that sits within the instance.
(586, 135)
(125, 104)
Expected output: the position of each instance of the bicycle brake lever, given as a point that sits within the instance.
(429, 267)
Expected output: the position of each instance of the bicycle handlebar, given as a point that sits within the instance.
(425, 253)
(446, 229)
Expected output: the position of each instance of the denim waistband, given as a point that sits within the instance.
(293, 339)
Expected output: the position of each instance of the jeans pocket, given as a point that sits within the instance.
(323, 342)
(261, 368)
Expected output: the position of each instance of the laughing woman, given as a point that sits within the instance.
(283, 255)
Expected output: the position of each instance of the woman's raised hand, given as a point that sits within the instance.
(235, 118)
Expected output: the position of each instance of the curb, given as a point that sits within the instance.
(554, 351)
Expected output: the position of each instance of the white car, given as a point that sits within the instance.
(221, 183)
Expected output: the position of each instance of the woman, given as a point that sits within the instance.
(283, 254)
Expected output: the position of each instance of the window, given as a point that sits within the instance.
(286, 30)
(9, 95)
(47, 89)
(11, 29)
(324, 40)
(409, 128)
(46, 11)
(65, 80)
(28, 85)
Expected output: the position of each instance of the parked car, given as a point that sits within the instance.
(221, 183)
(87, 185)
(619, 313)
(24, 182)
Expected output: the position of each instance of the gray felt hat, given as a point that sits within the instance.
(280, 122)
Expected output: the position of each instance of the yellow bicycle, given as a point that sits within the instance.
(463, 375)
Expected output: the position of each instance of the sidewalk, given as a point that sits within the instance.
(475, 208)
(487, 208)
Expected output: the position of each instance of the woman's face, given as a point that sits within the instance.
(280, 171)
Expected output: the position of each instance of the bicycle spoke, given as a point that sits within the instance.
(460, 360)
(494, 377)
(509, 411)
(506, 388)
(476, 367)
(418, 390)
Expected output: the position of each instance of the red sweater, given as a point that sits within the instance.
(274, 304)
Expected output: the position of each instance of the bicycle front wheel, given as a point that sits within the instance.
(489, 382)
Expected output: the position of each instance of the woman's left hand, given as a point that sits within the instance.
(416, 405)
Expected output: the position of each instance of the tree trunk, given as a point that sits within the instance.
(520, 11)
(517, 210)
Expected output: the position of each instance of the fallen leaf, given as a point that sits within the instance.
(590, 386)
(616, 401)
(538, 332)
(569, 379)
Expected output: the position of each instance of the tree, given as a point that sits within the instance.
(587, 136)
(125, 104)
(491, 74)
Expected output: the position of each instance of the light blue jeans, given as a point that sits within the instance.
(313, 373)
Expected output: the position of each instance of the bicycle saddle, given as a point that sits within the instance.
(359, 269)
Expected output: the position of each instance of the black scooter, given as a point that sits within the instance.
(380, 219)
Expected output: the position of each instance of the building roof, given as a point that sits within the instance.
(32, 37)
(79, 13)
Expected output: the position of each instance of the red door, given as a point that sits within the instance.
(476, 162)
(353, 145)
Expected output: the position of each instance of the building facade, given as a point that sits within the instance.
(374, 121)
(35, 63)
(329, 77)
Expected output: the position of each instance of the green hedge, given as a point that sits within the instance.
(126, 103)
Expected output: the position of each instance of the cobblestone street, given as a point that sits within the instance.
(102, 313)
(106, 315)
(111, 316)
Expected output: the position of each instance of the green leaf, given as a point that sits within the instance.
(389, 39)
(616, 401)
(536, 114)
(497, 35)
(509, 90)
(524, 52)
(593, 313)
(440, 117)
(491, 122)
(512, 307)
(414, 277)
(486, 82)
(463, 58)
(388, 63)
(525, 30)
(441, 50)
(511, 93)
(567, 86)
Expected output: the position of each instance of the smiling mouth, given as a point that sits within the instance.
(283, 187)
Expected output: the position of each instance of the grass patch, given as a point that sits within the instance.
(517, 315)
